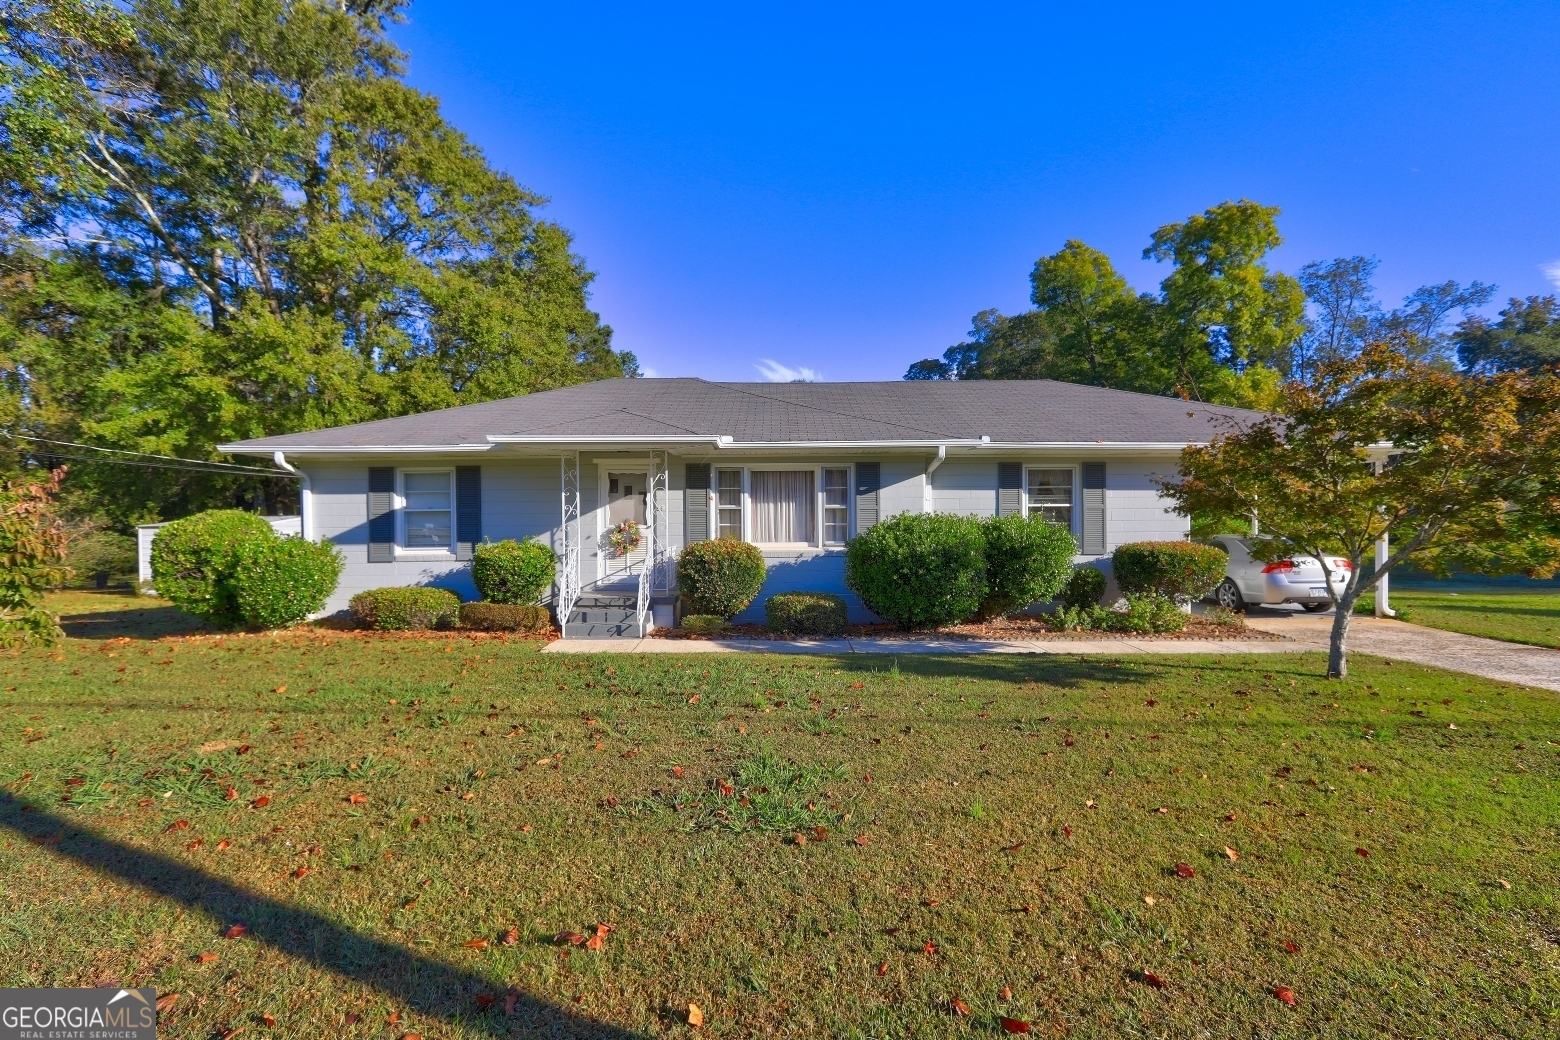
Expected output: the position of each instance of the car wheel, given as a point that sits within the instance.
(1316, 608)
(1228, 596)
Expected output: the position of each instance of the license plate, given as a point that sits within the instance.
(1320, 593)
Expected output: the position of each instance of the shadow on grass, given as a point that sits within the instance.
(1069, 671)
(133, 623)
(433, 987)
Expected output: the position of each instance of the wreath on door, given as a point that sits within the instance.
(625, 537)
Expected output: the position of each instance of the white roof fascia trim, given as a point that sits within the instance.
(350, 449)
(508, 438)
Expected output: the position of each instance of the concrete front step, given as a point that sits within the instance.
(600, 616)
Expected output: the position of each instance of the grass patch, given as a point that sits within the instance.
(1023, 815)
(1517, 617)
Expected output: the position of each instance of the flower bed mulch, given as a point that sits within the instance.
(1004, 628)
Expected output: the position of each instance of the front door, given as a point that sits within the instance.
(626, 494)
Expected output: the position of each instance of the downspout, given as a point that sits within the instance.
(926, 490)
(305, 495)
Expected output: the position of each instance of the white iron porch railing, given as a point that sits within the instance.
(569, 559)
(655, 510)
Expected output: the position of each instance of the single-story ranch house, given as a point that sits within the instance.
(795, 468)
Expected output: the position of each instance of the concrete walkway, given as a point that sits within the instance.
(1473, 655)
(1400, 641)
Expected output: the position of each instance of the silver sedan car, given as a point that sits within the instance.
(1300, 579)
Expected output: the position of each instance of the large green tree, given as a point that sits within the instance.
(1214, 332)
(224, 220)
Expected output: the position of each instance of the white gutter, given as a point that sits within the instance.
(305, 496)
(724, 443)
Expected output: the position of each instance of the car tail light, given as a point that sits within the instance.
(1341, 565)
(1279, 565)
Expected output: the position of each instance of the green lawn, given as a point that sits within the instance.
(1519, 617)
(1000, 830)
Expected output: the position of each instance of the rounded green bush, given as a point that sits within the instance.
(400, 607)
(704, 624)
(511, 571)
(280, 581)
(193, 561)
(505, 617)
(720, 576)
(806, 613)
(1174, 570)
(1084, 589)
(919, 569)
(1028, 560)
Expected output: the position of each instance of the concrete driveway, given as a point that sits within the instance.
(1475, 655)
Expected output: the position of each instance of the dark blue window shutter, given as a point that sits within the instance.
(869, 481)
(696, 503)
(1010, 488)
(468, 509)
(381, 514)
(1094, 509)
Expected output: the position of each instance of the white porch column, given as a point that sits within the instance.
(1383, 604)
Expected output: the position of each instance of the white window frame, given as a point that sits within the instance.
(401, 548)
(1072, 525)
(742, 495)
(819, 507)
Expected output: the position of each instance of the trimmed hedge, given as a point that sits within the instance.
(401, 607)
(806, 613)
(512, 572)
(720, 576)
(193, 561)
(704, 624)
(919, 570)
(280, 581)
(1174, 570)
(505, 617)
(1028, 560)
(1084, 588)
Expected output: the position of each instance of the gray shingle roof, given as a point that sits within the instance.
(1007, 411)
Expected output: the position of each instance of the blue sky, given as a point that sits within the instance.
(838, 191)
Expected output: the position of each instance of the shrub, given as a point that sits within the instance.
(193, 561)
(1143, 614)
(720, 576)
(704, 624)
(32, 557)
(511, 571)
(280, 581)
(1175, 570)
(100, 554)
(505, 617)
(1084, 588)
(1028, 560)
(406, 606)
(919, 569)
(806, 613)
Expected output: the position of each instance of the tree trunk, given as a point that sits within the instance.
(1337, 649)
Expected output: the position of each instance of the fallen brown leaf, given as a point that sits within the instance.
(167, 1000)
(1184, 870)
(301, 872)
(357, 799)
(1154, 980)
(236, 931)
(511, 937)
(393, 1017)
(231, 794)
(205, 958)
(1231, 853)
(484, 1001)
(223, 844)
(475, 944)
(882, 969)
(695, 1016)
(269, 1020)
(930, 949)
(1291, 947)
(228, 1032)
(282, 688)
(860, 839)
(1285, 994)
(605, 929)
(1361, 852)
(569, 939)
(960, 1008)
(177, 825)
(261, 802)
(1014, 1025)
(596, 942)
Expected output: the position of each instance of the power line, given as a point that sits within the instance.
(148, 455)
(163, 465)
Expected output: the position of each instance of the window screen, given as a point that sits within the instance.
(1051, 495)
(836, 506)
(729, 501)
(428, 507)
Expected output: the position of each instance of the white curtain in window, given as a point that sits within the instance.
(783, 505)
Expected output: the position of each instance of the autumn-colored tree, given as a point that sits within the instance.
(1454, 469)
(32, 559)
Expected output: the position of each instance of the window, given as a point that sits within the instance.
(836, 506)
(427, 509)
(728, 500)
(784, 504)
(1051, 495)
